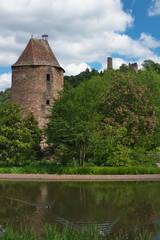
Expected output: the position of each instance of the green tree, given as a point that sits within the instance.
(128, 104)
(73, 118)
(151, 79)
(124, 68)
(19, 136)
(151, 65)
(5, 96)
(80, 120)
(74, 81)
(110, 147)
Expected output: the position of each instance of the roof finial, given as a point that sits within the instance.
(45, 36)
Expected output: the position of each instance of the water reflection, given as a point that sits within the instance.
(2, 231)
(117, 208)
(31, 204)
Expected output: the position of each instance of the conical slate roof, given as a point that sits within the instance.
(37, 53)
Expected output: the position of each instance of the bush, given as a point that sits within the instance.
(44, 167)
(19, 136)
(111, 170)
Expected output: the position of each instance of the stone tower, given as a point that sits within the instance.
(109, 63)
(134, 66)
(37, 78)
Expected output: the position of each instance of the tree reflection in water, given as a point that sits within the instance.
(115, 207)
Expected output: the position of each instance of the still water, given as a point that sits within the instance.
(116, 207)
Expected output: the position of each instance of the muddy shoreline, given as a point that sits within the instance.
(78, 178)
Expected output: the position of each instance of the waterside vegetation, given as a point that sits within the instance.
(56, 233)
(107, 119)
(45, 167)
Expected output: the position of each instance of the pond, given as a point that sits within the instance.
(116, 207)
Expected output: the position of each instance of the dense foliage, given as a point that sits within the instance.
(19, 136)
(105, 119)
(74, 81)
(108, 120)
(151, 65)
(5, 96)
(151, 79)
(74, 117)
(46, 167)
(127, 104)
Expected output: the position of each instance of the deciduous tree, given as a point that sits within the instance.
(19, 136)
(128, 104)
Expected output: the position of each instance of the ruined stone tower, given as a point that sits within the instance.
(109, 63)
(134, 66)
(37, 78)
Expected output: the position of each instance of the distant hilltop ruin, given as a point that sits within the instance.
(130, 65)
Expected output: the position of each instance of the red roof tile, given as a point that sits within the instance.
(37, 53)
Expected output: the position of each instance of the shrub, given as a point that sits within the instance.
(19, 136)
(111, 170)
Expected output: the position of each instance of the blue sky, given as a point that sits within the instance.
(5, 69)
(82, 33)
(142, 22)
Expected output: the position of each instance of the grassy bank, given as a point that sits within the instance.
(44, 167)
(55, 233)
(52, 233)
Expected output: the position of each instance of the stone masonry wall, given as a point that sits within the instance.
(34, 87)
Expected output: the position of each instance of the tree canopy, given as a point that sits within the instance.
(128, 103)
(103, 119)
(74, 81)
(19, 136)
(149, 64)
(5, 96)
(110, 118)
(73, 118)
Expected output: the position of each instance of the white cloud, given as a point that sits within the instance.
(149, 41)
(117, 62)
(75, 28)
(124, 45)
(154, 58)
(155, 8)
(5, 81)
(8, 50)
(66, 14)
(107, 44)
(73, 69)
(79, 31)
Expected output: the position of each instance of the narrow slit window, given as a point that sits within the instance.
(48, 77)
(47, 102)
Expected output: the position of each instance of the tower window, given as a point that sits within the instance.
(48, 77)
(47, 102)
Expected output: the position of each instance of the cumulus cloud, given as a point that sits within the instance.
(155, 8)
(73, 69)
(117, 62)
(124, 45)
(79, 31)
(8, 50)
(74, 27)
(149, 41)
(5, 81)
(65, 15)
